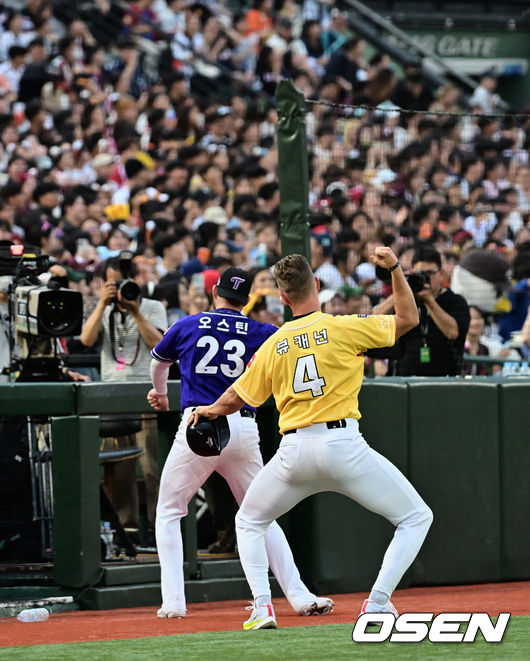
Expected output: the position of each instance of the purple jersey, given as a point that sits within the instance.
(213, 349)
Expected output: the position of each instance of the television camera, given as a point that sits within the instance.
(38, 314)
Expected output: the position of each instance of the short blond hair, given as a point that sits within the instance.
(294, 277)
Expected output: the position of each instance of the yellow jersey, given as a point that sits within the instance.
(314, 366)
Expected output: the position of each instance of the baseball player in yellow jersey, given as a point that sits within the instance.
(313, 365)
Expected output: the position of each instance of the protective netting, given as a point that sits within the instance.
(449, 192)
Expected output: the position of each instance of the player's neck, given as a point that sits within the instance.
(223, 303)
(308, 306)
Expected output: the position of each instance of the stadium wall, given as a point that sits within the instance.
(463, 444)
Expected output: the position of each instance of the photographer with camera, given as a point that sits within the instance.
(130, 327)
(436, 346)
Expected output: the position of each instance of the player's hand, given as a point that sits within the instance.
(383, 257)
(158, 402)
(200, 411)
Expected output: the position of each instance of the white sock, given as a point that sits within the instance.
(264, 599)
(380, 598)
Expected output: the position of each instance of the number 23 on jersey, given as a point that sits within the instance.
(233, 353)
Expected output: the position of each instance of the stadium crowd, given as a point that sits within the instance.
(116, 133)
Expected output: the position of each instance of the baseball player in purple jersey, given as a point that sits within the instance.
(213, 349)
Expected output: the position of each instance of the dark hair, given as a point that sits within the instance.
(477, 309)
(115, 264)
(165, 241)
(65, 43)
(427, 253)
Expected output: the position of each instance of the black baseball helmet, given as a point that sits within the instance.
(208, 437)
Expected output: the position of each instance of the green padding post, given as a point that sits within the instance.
(37, 399)
(292, 170)
(515, 480)
(75, 465)
(120, 397)
(453, 463)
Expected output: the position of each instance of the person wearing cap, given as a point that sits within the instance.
(218, 124)
(213, 349)
(332, 301)
(103, 165)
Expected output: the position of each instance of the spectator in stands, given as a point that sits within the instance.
(483, 98)
(436, 346)
(348, 67)
(259, 18)
(332, 301)
(472, 345)
(412, 93)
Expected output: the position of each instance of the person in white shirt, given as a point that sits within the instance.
(13, 69)
(483, 97)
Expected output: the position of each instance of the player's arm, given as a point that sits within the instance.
(157, 396)
(228, 403)
(404, 302)
(164, 354)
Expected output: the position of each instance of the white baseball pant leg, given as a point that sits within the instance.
(316, 459)
(183, 474)
(239, 467)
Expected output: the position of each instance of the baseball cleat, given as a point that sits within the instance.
(372, 607)
(322, 606)
(168, 614)
(262, 618)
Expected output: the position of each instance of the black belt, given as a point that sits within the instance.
(333, 424)
(247, 413)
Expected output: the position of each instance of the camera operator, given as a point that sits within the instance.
(130, 327)
(5, 348)
(436, 346)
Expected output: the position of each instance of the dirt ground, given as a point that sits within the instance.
(78, 626)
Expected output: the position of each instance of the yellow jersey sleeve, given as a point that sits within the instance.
(371, 331)
(254, 386)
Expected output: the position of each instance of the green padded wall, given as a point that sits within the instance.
(37, 399)
(75, 465)
(453, 463)
(338, 544)
(119, 397)
(515, 479)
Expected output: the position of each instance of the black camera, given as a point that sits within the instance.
(128, 289)
(417, 281)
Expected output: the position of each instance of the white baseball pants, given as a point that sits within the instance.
(316, 459)
(184, 473)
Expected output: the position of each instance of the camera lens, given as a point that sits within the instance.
(416, 281)
(129, 290)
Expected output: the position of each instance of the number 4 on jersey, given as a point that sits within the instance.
(306, 376)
